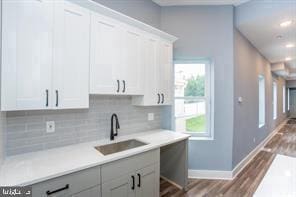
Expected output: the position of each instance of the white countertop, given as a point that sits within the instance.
(31, 168)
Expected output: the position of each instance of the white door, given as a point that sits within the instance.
(105, 56)
(166, 68)
(26, 54)
(120, 187)
(292, 112)
(71, 56)
(131, 70)
(147, 182)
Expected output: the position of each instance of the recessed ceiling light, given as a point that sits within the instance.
(279, 36)
(288, 58)
(286, 23)
(290, 45)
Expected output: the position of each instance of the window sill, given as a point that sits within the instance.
(194, 138)
(261, 125)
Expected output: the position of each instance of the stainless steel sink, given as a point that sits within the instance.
(119, 146)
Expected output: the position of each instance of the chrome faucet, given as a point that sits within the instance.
(113, 134)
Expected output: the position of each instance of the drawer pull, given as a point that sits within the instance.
(58, 190)
(139, 183)
(133, 186)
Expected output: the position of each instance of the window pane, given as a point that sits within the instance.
(190, 115)
(189, 80)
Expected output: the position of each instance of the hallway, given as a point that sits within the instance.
(246, 183)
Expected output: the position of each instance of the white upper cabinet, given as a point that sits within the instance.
(116, 62)
(71, 56)
(26, 54)
(56, 53)
(45, 55)
(132, 61)
(105, 55)
(158, 69)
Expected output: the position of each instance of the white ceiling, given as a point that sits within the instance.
(259, 21)
(198, 2)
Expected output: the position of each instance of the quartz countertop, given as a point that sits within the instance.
(35, 167)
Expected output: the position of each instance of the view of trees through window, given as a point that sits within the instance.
(190, 101)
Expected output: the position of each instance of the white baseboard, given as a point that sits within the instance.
(209, 174)
(229, 175)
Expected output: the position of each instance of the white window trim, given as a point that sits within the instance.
(274, 100)
(209, 95)
(262, 124)
(284, 99)
(288, 99)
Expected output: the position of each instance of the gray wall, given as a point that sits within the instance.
(207, 32)
(249, 63)
(143, 10)
(26, 129)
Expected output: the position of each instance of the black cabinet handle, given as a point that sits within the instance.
(162, 95)
(158, 101)
(133, 186)
(139, 183)
(123, 81)
(57, 98)
(58, 190)
(118, 86)
(46, 103)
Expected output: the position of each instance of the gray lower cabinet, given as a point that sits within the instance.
(148, 181)
(92, 192)
(136, 176)
(85, 183)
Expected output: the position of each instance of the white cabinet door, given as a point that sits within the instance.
(121, 187)
(92, 192)
(131, 70)
(105, 55)
(166, 72)
(71, 56)
(26, 54)
(148, 182)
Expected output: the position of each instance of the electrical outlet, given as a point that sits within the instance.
(50, 127)
(150, 116)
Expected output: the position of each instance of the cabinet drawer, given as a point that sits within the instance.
(123, 166)
(68, 184)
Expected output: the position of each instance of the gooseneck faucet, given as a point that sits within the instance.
(113, 134)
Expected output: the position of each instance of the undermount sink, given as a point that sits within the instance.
(119, 146)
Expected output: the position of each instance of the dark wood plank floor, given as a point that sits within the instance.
(246, 183)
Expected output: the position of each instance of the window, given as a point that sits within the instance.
(284, 99)
(192, 111)
(274, 92)
(261, 101)
(288, 99)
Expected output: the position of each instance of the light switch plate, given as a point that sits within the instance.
(150, 116)
(50, 127)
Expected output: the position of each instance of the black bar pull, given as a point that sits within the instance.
(133, 186)
(118, 85)
(58, 190)
(158, 101)
(162, 95)
(57, 98)
(139, 183)
(123, 81)
(46, 103)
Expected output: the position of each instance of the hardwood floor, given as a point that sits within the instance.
(246, 183)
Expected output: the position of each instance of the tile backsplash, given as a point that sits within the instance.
(26, 130)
